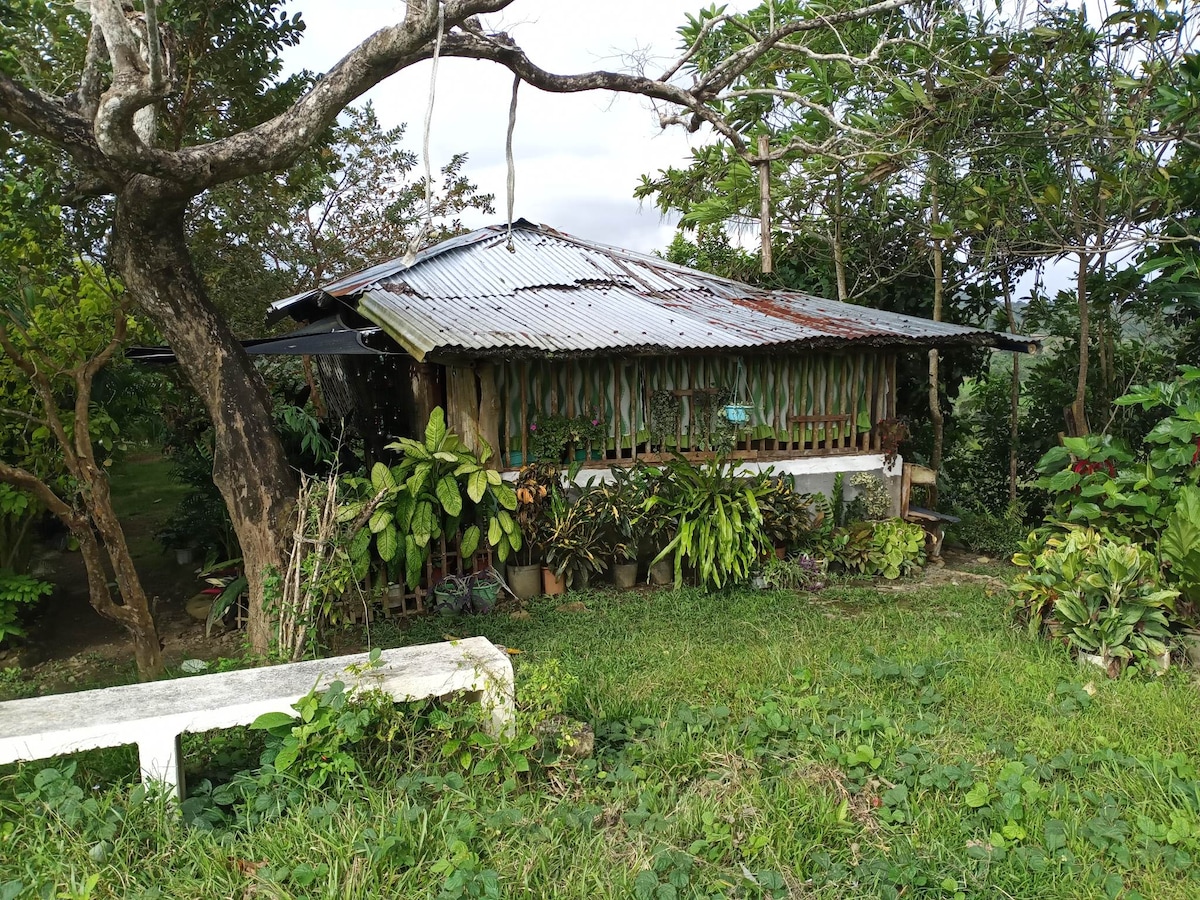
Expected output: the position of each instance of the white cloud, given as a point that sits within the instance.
(579, 156)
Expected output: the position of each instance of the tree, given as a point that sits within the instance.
(113, 120)
(61, 323)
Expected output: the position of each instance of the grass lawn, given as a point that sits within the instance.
(859, 743)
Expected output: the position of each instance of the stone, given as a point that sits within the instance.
(983, 559)
(575, 606)
(567, 736)
(520, 615)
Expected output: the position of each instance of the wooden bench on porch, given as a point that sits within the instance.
(154, 714)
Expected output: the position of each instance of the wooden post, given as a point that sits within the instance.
(462, 404)
(489, 412)
(764, 196)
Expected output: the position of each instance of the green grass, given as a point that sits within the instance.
(853, 744)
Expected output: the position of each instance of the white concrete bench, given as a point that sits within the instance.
(153, 715)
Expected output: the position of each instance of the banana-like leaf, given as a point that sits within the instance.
(435, 431)
(449, 495)
(387, 542)
(477, 484)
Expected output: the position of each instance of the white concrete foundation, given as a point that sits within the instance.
(153, 715)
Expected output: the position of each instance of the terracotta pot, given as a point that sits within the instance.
(525, 581)
(781, 552)
(552, 584)
(662, 573)
(625, 575)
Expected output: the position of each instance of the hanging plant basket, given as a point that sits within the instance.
(737, 413)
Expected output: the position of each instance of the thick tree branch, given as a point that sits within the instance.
(49, 118)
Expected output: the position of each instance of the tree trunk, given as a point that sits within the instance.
(935, 405)
(152, 254)
(1078, 424)
(1014, 398)
(839, 247)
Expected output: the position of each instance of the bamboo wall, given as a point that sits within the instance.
(813, 404)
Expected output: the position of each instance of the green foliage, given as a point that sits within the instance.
(788, 517)
(892, 548)
(17, 591)
(872, 496)
(438, 488)
(982, 531)
(549, 434)
(796, 573)
(575, 541)
(1116, 609)
(1097, 481)
(1180, 548)
(719, 526)
(1105, 592)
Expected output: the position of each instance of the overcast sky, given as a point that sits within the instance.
(578, 156)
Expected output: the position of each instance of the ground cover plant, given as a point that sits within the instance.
(856, 743)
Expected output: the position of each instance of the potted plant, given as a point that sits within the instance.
(549, 434)
(533, 488)
(591, 433)
(616, 508)
(573, 543)
(1115, 613)
(787, 515)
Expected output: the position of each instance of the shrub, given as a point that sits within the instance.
(891, 549)
(17, 591)
(719, 525)
(1105, 592)
(983, 531)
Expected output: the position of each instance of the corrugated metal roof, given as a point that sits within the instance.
(556, 294)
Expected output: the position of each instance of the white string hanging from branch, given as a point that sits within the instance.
(508, 155)
(418, 237)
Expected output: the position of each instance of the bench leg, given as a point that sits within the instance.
(161, 761)
(498, 702)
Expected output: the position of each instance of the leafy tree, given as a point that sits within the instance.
(60, 327)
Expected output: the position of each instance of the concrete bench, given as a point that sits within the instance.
(153, 715)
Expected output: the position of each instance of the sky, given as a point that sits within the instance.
(578, 156)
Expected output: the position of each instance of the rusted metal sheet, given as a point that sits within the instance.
(556, 294)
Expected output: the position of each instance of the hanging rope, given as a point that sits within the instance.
(508, 155)
(419, 237)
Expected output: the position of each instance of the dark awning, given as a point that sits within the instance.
(327, 337)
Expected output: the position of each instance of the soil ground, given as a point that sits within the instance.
(71, 645)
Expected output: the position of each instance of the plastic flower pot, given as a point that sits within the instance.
(552, 584)
(625, 575)
(737, 413)
(662, 573)
(485, 588)
(184, 555)
(525, 581)
(516, 458)
(452, 595)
